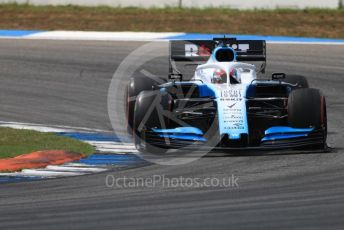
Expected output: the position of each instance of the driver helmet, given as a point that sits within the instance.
(234, 77)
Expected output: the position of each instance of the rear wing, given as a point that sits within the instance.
(194, 52)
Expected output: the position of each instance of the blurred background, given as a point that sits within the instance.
(301, 18)
(247, 4)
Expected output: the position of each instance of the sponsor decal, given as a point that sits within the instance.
(232, 108)
(242, 47)
(192, 50)
(231, 93)
(204, 51)
(232, 105)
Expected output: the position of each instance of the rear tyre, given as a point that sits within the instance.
(135, 86)
(147, 116)
(301, 81)
(307, 108)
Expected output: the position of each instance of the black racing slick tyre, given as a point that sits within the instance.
(301, 81)
(307, 108)
(149, 107)
(135, 86)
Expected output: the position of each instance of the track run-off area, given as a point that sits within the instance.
(58, 83)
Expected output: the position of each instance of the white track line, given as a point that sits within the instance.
(141, 36)
(304, 43)
(120, 145)
(48, 173)
(51, 172)
(113, 147)
(82, 165)
(74, 169)
(116, 151)
(35, 128)
(101, 36)
(50, 128)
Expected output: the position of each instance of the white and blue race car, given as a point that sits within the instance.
(223, 105)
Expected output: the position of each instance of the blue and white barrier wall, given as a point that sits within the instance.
(148, 36)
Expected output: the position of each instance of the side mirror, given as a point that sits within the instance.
(175, 76)
(278, 76)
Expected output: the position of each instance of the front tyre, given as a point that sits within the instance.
(133, 89)
(149, 109)
(307, 108)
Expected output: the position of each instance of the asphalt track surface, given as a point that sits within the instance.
(66, 82)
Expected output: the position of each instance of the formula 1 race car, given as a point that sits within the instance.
(223, 105)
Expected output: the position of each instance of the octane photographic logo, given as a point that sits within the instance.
(163, 181)
(137, 63)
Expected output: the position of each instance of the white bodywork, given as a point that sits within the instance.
(231, 98)
(247, 72)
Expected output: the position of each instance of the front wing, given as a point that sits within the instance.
(279, 137)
